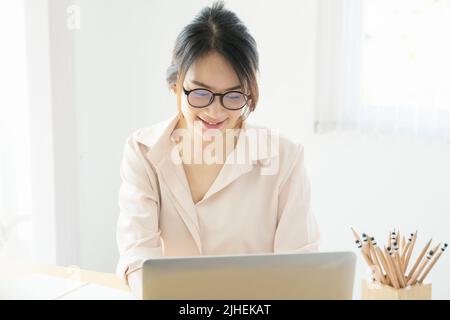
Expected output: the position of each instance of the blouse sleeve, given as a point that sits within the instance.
(137, 233)
(297, 230)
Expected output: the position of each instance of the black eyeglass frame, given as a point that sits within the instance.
(214, 94)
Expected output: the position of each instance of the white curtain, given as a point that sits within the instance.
(382, 67)
(15, 178)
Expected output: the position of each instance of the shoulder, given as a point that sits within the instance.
(150, 135)
(291, 157)
(153, 134)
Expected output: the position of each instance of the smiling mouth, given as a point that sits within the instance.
(211, 123)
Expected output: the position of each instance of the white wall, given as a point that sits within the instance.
(371, 183)
(376, 184)
(15, 186)
(41, 131)
(53, 130)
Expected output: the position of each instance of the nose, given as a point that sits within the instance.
(215, 108)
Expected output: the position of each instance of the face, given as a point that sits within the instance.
(215, 73)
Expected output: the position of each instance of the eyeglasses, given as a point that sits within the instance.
(231, 100)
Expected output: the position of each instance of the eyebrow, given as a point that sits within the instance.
(208, 87)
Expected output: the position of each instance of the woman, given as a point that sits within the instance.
(206, 182)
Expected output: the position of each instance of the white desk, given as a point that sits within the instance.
(19, 281)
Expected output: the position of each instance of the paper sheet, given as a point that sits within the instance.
(92, 291)
(36, 287)
(44, 287)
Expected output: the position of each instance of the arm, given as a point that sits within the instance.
(138, 234)
(297, 229)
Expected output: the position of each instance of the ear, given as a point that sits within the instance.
(173, 88)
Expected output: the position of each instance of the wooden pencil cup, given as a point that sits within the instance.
(375, 291)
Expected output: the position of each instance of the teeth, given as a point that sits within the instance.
(211, 123)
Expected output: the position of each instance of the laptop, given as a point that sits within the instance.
(323, 275)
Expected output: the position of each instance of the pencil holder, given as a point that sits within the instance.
(371, 290)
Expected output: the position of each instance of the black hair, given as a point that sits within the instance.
(217, 29)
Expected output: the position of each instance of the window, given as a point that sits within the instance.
(15, 176)
(386, 69)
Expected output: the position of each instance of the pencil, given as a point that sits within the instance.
(366, 246)
(367, 259)
(405, 250)
(369, 241)
(424, 263)
(389, 277)
(409, 252)
(424, 251)
(393, 239)
(436, 258)
(375, 259)
(401, 263)
(397, 265)
(355, 234)
(391, 269)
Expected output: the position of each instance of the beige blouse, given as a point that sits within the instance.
(259, 203)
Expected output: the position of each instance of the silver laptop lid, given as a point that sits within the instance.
(255, 276)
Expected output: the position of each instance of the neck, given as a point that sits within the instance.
(200, 146)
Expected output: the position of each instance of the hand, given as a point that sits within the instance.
(135, 283)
